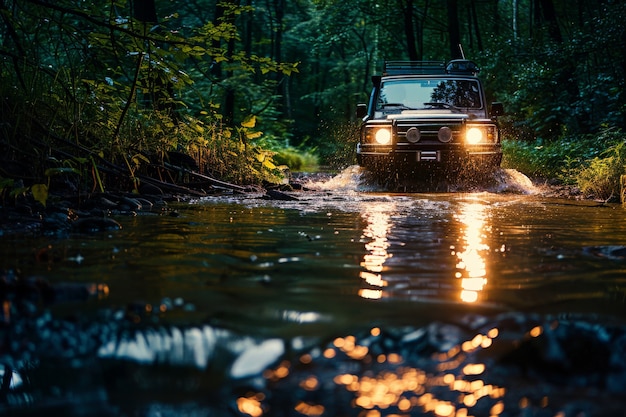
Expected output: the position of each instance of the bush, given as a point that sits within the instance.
(563, 159)
(296, 160)
(600, 178)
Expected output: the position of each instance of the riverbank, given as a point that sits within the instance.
(95, 212)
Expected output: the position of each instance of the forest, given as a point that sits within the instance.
(108, 93)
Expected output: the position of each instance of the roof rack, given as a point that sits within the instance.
(456, 66)
(414, 67)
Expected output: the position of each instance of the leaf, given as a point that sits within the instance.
(269, 164)
(253, 135)
(18, 191)
(60, 170)
(6, 183)
(249, 122)
(138, 158)
(40, 193)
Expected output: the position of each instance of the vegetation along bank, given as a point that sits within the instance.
(119, 99)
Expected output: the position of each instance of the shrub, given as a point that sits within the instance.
(563, 159)
(296, 160)
(600, 178)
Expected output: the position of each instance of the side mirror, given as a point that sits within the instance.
(497, 109)
(361, 110)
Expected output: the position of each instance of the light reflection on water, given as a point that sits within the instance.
(472, 266)
(378, 223)
(333, 263)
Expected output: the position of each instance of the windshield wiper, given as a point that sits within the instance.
(441, 105)
(399, 105)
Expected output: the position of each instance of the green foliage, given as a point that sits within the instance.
(6, 185)
(89, 73)
(543, 159)
(600, 177)
(118, 87)
(592, 162)
(297, 160)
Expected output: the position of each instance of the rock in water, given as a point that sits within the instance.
(257, 358)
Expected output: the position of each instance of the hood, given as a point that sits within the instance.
(429, 114)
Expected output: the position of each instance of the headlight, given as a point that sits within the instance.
(481, 134)
(474, 135)
(383, 136)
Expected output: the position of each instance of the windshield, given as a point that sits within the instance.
(421, 94)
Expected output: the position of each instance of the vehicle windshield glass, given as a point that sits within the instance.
(413, 94)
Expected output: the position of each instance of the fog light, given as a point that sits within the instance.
(445, 134)
(383, 136)
(474, 135)
(413, 135)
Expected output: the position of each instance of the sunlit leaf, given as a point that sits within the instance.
(249, 122)
(139, 157)
(269, 164)
(253, 135)
(40, 193)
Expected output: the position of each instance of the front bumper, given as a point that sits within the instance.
(432, 159)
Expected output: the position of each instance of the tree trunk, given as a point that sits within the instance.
(514, 22)
(278, 52)
(453, 29)
(247, 36)
(229, 95)
(409, 29)
(474, 20)
(549, 17)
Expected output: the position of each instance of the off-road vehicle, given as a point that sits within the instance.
(428, 121)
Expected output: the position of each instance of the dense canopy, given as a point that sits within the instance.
(232, 82)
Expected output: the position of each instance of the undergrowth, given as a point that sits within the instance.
(594, 163)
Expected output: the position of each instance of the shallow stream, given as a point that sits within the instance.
(346, 300)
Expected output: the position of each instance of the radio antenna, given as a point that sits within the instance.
(461, 49)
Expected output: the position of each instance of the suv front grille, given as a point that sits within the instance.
(428, 130)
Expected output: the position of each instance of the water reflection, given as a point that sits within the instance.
(388, 384)
(471, 267)
(378, 225)
(412, 389)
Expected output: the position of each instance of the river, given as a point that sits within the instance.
(346, 300)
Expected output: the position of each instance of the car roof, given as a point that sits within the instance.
(430, 68)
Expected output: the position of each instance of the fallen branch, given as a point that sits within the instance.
(123, 171)
(211, 180)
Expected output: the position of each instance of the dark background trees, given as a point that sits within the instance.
(127, 78)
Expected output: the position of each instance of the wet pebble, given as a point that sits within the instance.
(95, 225)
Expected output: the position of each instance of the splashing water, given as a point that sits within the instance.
(352, 178)
(356, 178)
(513, 181)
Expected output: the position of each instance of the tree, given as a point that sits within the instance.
(453, 29)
